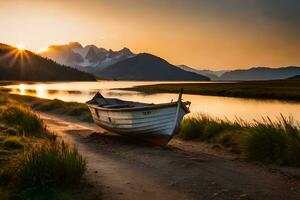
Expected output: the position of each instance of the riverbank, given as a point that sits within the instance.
(260, 140)
(34, 164)
(277, 89)
(124, 168)
(130, 169)
(79, 110)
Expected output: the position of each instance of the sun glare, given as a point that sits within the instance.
(21, 47)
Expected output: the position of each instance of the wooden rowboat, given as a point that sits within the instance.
(156, 123)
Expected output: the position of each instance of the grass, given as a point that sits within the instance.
(79, 110)
(53, 164)
(278, 89)
(265, 140)
(68, 108)
(274, 142)
(13, 142)
(22, 119)
(33, 165)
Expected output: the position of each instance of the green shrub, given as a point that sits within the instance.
(51, 165)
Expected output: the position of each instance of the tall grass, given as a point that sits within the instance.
(274, 141)
(79, 110)
(68, 108)
(49, 165)
(207, 128)
(30, 157)
(265, 140)
(22, 118)
(13, 142)
(275, 89)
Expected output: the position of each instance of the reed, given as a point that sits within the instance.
(204, 127)
(275, 89)
(274, 141)
(13, 142)
(79, 110)
(68, 108)
(22, 118)
(33, 165)
(54, 164)
(262, 140)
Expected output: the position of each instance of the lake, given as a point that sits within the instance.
(222, 107)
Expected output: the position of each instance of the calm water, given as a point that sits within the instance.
(221, 107)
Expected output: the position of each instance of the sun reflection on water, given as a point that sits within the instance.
(41, 91)
(22, 89)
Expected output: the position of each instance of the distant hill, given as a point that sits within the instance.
(295, 77)
(147, 67)
(213, 75)
(27, 66)
(261, 73)
(77, 56)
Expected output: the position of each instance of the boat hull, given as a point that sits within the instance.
(156, 124)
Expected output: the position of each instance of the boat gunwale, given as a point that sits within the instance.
(161, 116)
(148, 107)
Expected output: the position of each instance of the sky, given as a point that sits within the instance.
(210, 34)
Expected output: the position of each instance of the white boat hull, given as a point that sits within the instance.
(156, 123)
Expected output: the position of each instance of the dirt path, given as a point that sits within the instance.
(128, 169)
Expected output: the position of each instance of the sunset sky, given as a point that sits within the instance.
(213, 34)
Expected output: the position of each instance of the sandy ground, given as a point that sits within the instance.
(124, 168)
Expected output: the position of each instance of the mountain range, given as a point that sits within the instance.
(75, 55)
(109, 64)
(295, 77)
(261, 73)
(213, 75)
(27, 66)
(147, 67)
(118, 65)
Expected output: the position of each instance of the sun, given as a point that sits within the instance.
(21, 47)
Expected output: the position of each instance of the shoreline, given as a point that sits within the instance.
(128, 169)
(202, 128)
(124, 168)
(285, 90)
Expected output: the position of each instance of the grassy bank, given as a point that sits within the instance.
(280, 89)
(265, 140)
(79, 110)
(33, 164)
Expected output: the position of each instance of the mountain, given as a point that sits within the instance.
(295, 77)
(262, 73)
(77, 56)
(147, 67)
(27, 66)
(213, 75)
